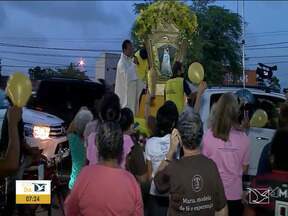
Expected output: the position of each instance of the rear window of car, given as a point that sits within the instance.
(271, 104)
(64, 98)
(76, 93)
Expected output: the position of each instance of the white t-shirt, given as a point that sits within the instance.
(155, 150)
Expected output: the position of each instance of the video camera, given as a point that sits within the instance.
(264, 71)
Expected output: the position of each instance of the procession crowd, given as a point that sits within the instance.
(175, 169)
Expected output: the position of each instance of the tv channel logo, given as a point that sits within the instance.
(33, 192)
(259, 196)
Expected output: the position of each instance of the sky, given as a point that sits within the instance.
(103, 25)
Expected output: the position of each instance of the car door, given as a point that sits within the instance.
(260, 137)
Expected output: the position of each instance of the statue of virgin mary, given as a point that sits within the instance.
(166, 69)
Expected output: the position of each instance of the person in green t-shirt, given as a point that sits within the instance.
(76, 143)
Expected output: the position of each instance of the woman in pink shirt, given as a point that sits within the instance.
(104, 189)
(109, 110)
(126, 122)
(228, 146)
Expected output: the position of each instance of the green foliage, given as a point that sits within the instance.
(72, 72)
(174, 12)
(38, 73)
(216, 45)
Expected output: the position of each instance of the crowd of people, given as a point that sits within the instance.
(176, 169)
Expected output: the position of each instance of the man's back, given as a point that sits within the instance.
(194, 185)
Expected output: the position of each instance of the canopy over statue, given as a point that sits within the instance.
(166, 29)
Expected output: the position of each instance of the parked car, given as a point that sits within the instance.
(41, 130)
(64, 97)
(260, 137)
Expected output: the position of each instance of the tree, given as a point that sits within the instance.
(38, 73)
(71, 71)
(216, 44)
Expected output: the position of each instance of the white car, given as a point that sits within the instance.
(260, 137)
(41, 129)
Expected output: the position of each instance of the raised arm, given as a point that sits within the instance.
(201, 88)
(10, 163)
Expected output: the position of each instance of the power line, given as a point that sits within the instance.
(29, 61)
(267, 63)
(263, 48)
(56, 48)
(12, 37)
(269, 32)
(279, 56)
(270, 36)
(29, 66)
(57, 55)
(268, 44)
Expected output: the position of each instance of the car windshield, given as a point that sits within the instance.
(64, 98)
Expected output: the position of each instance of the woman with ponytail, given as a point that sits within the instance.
(109, 111)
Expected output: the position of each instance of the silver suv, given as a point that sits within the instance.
(41, 129)
(260, 137)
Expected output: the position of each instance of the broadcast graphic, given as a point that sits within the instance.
(33, 192)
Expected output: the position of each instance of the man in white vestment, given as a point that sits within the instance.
(126, 78)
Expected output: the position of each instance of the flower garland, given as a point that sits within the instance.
(166, 12)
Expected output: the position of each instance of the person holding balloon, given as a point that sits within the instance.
(18, 90)
(10, 163)
(177, 87)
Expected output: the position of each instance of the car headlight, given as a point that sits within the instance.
(41, 132)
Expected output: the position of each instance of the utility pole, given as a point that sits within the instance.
(243, 44)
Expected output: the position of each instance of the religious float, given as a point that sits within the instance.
(165, 28)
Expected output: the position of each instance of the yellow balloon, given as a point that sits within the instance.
(19, 89)
(196, 73)
(259, 119)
